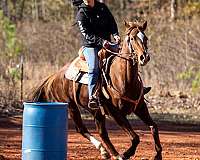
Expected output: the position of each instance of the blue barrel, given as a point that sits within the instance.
(44, 135)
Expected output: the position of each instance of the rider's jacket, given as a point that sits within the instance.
(96, 24)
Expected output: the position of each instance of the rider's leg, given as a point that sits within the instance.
(91, 56)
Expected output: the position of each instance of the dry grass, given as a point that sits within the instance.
(48, 45)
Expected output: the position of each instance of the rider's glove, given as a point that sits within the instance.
(106, 44)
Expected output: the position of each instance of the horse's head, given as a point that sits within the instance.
(137, 41)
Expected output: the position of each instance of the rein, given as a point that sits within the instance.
(129, 57)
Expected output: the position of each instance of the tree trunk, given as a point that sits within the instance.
(13, 17)
(173, 9)
(41, 9)
(159, 4)
(21, 10)
(35, 10)
(122, 4)
(4, 7)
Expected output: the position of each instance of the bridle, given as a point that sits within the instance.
(131, 55)
(139, 35)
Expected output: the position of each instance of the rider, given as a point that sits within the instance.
(96, 24)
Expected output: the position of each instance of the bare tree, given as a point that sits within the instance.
(41, 9)
(123, 4)
(21, 10)
(159, 5)
(173, 9)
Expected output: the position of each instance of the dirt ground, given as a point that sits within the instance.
(180, 142)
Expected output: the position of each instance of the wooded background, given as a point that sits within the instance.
(39, 36)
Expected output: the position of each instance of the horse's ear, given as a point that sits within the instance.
(126, 24)
(144, 26)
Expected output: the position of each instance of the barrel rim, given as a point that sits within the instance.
(45, 103)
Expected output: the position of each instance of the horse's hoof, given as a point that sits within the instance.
(106, 156)
(119, 157)
(158, 157)
(2, 157)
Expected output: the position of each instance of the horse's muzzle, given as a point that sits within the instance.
(144, 59)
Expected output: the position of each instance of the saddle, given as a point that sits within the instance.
(103, 54)
(78, 69)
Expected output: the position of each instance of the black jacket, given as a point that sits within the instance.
(96, 24)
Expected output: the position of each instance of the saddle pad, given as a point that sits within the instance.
(77, 71)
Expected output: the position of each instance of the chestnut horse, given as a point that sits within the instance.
(125, 92)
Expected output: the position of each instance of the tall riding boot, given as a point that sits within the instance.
(94, 100)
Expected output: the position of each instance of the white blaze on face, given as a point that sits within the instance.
(140, 35)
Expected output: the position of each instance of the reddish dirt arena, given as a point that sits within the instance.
(180, 142)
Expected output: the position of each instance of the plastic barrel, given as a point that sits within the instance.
(44, 135)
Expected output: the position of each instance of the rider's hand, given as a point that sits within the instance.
(117, 39)
(106, 44)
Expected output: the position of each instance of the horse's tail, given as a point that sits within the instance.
(52, 89)
(38, 93)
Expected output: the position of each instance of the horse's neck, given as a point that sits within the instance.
(125, 48)
(125, 72)
(131, 69)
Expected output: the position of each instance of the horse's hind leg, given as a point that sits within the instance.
(100, 124)
(144, 115)
(80, 127)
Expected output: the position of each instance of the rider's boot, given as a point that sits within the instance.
(93, 103)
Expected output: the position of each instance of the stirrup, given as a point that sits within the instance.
(93, 103)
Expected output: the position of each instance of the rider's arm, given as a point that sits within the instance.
(113, 25)
(84, 26)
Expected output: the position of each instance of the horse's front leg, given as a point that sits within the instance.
(158, 148)
(144, 115)
(123, 122)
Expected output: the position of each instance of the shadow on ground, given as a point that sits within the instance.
(164, 125)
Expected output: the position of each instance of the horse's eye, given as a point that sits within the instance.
(132, 38)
